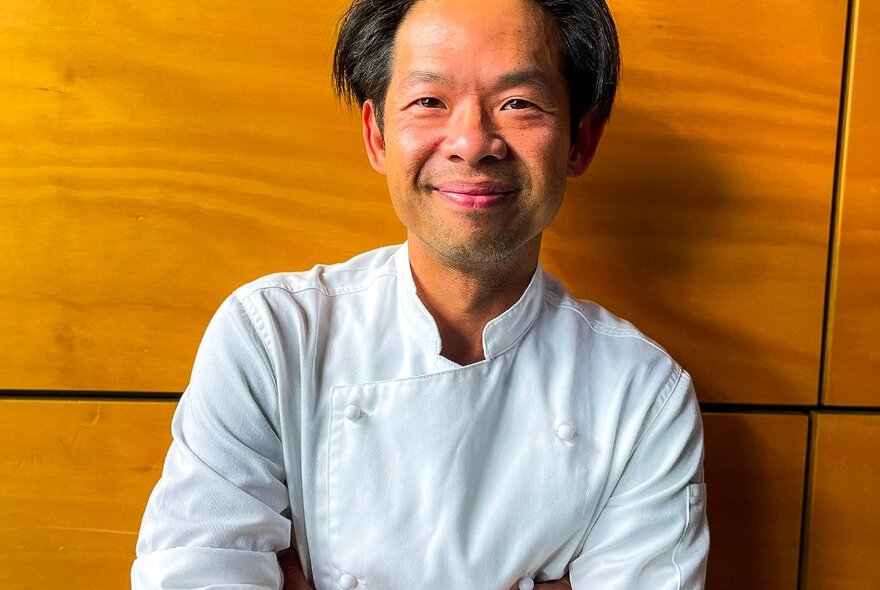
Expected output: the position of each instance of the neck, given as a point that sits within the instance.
(462, 302)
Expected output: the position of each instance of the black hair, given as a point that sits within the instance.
(590, 59)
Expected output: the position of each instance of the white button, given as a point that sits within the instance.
(565, 431)
(352, 413)
(347, 581)
(526, 583)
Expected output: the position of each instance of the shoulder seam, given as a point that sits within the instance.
(259, 329)
(312, 285)
(609, 330)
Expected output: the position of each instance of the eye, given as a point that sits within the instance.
(429, 102)
(516, 104)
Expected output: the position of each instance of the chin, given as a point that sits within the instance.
(479, 253)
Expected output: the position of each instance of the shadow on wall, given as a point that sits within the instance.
(755, 478)
(652, 233)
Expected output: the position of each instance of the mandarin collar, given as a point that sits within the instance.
(499, 334)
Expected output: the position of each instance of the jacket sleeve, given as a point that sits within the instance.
(652, 534)
(219, 513)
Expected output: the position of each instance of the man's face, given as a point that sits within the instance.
(476, 143)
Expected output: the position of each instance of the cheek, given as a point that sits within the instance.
(411, 147)
(546, 157)
(539, 139)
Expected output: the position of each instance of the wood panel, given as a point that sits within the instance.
(71, 501)
(755, 469)
(74, 480)
(844, 518)
(854, 357)
(705, 217)
(155, 155)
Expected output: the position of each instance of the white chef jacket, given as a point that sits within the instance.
(321, 410)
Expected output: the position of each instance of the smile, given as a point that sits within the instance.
(479, 195)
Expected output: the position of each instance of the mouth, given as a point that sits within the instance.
(476, 195)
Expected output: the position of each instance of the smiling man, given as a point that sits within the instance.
(441, 414)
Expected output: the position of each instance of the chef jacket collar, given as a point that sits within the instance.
(499, 334)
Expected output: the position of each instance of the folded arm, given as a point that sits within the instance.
(217, 517)
(652, 533)
(294, 579)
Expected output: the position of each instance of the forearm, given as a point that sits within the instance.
(295, 579)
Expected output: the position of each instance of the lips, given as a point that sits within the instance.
(476, 195)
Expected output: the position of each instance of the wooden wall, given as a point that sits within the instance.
(154, 155)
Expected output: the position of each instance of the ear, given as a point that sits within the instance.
(585, 144)
(373, 140)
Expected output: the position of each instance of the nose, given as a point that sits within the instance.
(472, 136)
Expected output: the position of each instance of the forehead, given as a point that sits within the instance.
(464, 36)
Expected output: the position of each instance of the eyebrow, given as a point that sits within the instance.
(523, 77)
(422, 77)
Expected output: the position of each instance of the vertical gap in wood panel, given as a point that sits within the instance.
(849, 49)
(804, 552)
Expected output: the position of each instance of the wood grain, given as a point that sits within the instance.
(853, 358)
(755, 470)
(153, 156)
(75, 477)
(74, 480)
(844, 519)
(705, 217)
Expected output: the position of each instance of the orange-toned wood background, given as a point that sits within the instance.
(755, 469)
(154, 156)
(854, 351)
(844, 519)
(75, 478)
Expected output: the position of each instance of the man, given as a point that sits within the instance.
(441, 414)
